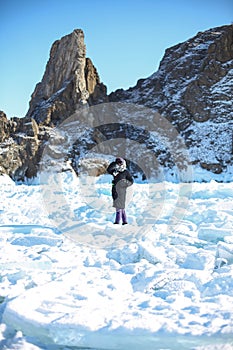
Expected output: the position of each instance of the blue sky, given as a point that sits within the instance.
(125, 39)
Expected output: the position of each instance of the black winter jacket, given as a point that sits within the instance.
(121, 180)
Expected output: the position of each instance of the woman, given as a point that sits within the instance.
(121, 180)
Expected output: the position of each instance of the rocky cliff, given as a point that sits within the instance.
(20, 147)
(70, 82)
(192, 89)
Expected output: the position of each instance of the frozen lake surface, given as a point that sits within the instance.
(70, 279)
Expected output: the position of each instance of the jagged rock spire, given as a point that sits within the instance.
(64, 86)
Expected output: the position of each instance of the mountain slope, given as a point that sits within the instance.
(193, 89)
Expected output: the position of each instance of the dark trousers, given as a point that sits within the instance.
(120, 215)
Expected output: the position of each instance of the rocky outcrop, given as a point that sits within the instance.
(97, 91)
(20, 147)
(193, 89)
(191, 75)
(69, 82)
(4, 127)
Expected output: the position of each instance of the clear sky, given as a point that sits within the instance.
(125, 39)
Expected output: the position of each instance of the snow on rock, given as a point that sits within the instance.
(162, 285)
(193, 89)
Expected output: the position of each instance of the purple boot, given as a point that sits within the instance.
(118, 216)
(124, 217)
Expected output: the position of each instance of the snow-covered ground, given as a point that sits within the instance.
(70, 279)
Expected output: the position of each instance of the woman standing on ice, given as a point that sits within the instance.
(121, 180)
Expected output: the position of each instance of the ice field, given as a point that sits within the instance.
(71, 279)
